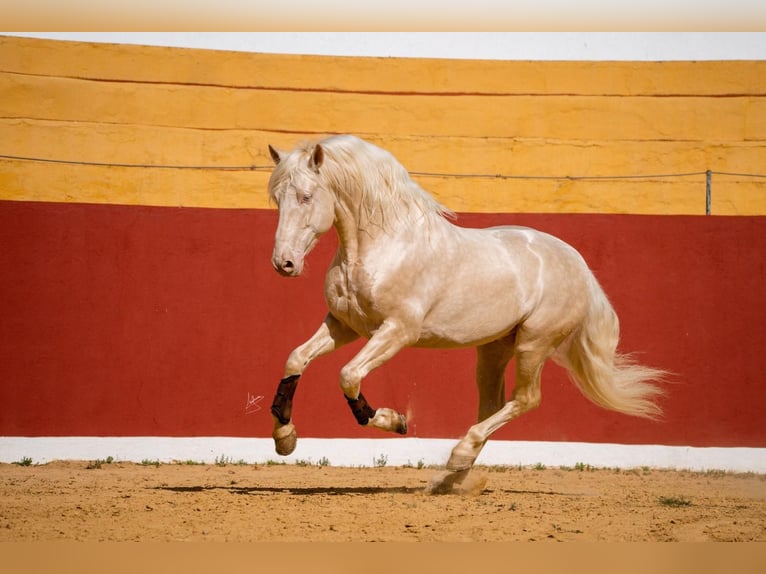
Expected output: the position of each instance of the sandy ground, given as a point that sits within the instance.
(186, 502)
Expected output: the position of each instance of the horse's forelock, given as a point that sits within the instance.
(296, 160)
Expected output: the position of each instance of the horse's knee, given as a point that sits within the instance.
(295, 364)
(350, 382)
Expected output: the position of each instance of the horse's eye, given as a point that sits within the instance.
(305, 197)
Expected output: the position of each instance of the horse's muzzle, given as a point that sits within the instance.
(286, 267)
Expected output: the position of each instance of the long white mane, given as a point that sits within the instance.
(374, 181)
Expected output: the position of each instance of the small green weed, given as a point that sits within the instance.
(674, 501)
(716, 473)
(324, 461)
(222, 460)
(146, 462)
(25, 461)
(381, 461)
(94, 464)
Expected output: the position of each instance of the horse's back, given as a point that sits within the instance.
(549, 251)
(494, 279)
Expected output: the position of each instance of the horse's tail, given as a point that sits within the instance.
(609, 379)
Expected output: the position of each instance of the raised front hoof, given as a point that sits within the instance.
(285, 439)
(388, 420)
(462, 482)
(401, 427)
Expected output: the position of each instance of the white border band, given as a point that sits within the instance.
(388, 451)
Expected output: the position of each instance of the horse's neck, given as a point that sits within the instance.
(348, 238)
(356, 239)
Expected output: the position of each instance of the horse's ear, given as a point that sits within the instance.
(276, 155)
(317, 157)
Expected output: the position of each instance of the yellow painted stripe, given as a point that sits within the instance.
(31, 181)
(384, 75)
(147, 145)
(562, 117)
(159, 145)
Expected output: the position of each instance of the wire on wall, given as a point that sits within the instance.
(707, 173)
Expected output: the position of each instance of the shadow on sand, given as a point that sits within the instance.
(337, 490)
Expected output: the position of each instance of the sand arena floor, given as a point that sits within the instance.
(118, 501)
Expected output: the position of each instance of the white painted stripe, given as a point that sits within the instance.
(388, 451)
(632, 46)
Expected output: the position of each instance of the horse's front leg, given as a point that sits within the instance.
(388, 340)
(331, 335)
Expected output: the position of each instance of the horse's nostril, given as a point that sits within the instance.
(288, 265)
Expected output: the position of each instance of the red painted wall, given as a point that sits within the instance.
(141, 321)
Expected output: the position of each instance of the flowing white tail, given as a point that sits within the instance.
(611, 380)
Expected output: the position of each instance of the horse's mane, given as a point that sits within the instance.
(374, 180)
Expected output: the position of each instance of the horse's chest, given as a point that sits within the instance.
(349, 298)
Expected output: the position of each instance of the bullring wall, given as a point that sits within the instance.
(136, 290)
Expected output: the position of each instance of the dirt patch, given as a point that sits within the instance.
(133, 502)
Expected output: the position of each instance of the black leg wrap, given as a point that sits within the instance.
(362, 411)
(282, 406)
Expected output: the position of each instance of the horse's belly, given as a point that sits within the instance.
(468, 329)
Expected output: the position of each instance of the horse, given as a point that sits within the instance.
(405, 275)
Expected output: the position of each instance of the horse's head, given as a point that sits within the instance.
(306, 206)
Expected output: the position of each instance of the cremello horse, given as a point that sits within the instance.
(404, 275)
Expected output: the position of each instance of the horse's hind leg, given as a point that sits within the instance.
(530, 358)
(330, 335)
(491, 362)
(526, 396)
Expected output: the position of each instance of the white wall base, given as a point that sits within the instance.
(372, 452)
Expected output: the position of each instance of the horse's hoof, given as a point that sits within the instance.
(460, 462)
(388, 420)
(285, 439)
(445, 481)
(460, 482)
(439, 485)
(401, 428)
